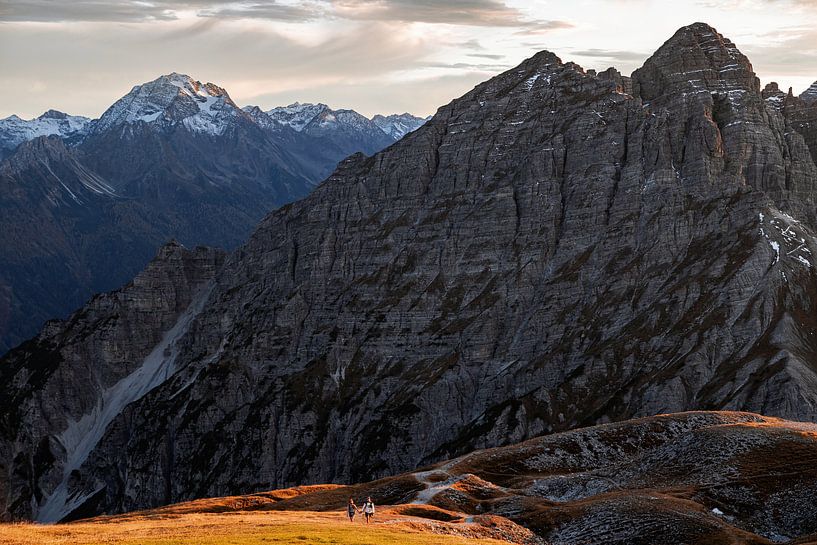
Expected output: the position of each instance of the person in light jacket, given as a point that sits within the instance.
(368, 509)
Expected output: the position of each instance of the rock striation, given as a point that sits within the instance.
(554, 249)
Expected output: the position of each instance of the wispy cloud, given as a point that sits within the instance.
(611, 54)
(488, 13)
(306, 11)
(154, 10)
(485, 56)
(790, 50)
(82, 10)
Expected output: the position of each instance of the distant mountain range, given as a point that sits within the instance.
(85, 204)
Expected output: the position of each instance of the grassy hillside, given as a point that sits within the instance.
(241, 528)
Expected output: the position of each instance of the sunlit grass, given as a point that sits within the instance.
(242, 528)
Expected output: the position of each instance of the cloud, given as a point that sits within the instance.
(540, 27)
(489, 13)
(154, 10)
(305, 11)
(99, 62)
(472, 44)
(611, 54)
(81, 10)
(793, 51)
(486, 56)
(491, 69)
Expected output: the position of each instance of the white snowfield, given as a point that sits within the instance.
(81, 437)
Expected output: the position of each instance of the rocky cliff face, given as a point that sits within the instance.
(133, 331)
(555, 248)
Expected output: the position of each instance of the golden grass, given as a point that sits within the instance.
(238, 528)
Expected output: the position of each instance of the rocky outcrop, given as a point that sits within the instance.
(548, 251)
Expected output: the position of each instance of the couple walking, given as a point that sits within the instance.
(367, 509)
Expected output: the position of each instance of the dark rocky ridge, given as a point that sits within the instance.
(556, 248)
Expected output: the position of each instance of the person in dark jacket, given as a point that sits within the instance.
(352, 510)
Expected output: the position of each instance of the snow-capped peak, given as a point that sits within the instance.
(398, 125)
(14, 130)
(54, 114)
(170, 100)
(297, 115)
(810, 94)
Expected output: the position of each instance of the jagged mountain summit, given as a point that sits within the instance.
(297, 115)
(337, 133)
(398, 125)
(173, 158)
(320, 117)
(173, 99)
(556, 248)
(338, 129)
(14, 131)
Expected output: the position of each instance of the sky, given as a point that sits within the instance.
(375, 56)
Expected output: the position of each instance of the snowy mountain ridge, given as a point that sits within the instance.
(14, 130)
(297, 115)
(317, 118)
(399, 125)
(172, 99)
(202, 108)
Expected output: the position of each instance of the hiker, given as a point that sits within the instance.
(368, 509)
(352, 509)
